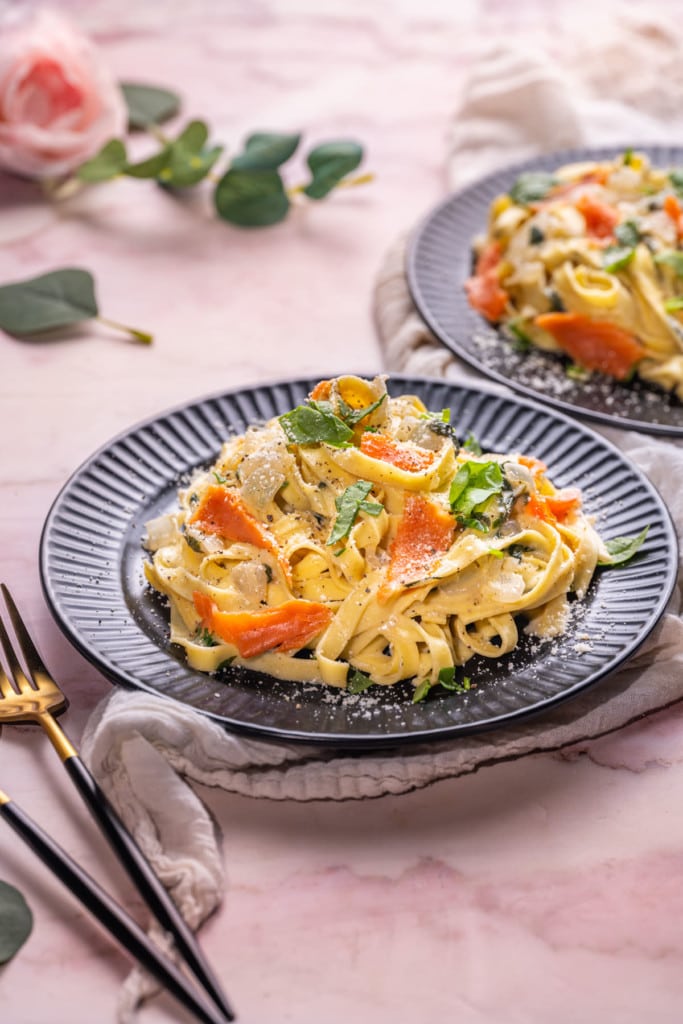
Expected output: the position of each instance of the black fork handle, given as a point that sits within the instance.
(101, 905)
(145, 880)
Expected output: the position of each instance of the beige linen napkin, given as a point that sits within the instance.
(146, 751)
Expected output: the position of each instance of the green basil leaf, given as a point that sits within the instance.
(628, 233)
(348, 505)
(57, 299)
(329, 163)
(449, 682)
(536, 236)
(266, 151)
(676, 179)
(673, 305)
(531, 187)
(474, 484)
(421, 691)
(622, 549)
(471, 444)
(617, 257)
(315, 424)
(105, 165)
(671, 258)
(358, 682)
(148, 104)
(251, 198)
(353, 416)
(16, 921)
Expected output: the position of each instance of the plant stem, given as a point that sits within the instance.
(141, 336)
(360, 179)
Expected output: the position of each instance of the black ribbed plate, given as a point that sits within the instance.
(91, 569)
(440, 260)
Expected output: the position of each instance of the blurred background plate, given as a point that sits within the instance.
(439, 262)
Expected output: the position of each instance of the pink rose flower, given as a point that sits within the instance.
(58, 104)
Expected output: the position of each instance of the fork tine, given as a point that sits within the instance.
(34, 662)
(6, 688)
(18, 675)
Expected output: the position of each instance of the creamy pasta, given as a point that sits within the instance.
(588, 262)
(356, 540)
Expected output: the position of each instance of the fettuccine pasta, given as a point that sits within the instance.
(588, 262)
(355, 540)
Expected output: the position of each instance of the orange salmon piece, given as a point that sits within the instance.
(287, 627)
(378, 446)
(594, 344)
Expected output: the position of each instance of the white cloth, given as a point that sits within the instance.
(145, 750)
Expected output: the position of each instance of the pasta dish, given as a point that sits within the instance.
(357, 540)
(588, 262)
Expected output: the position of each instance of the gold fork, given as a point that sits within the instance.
(33, 696)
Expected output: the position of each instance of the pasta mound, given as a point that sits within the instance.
(588, 262)
(356, 538)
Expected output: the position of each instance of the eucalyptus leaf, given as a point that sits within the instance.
(149, 104)
(251, 198)
(151, 167)
(189, 161)
(58, 299)
(16, 921)
(266, 151)
(107, 164)
(329, 163)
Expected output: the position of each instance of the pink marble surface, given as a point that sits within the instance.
(545, 890)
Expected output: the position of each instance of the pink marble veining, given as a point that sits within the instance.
(546, 890)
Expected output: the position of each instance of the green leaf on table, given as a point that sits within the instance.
(251, 198)
(531, 187)
(348, 505)
(266, 151)
(329, 163)
(151, 167)
(148, 104)
(622, 549)
(189, 160)
(58, 299)
(105, 165)
(16, 921)
(315, 423)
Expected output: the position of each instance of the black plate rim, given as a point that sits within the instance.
(366, 741)
(542, 161)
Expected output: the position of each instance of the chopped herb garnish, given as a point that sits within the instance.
(194, 498)
(226, 663)
(628, 157)
(536, 236)
(357, 682)
(472, 488)
(497, 552)
(576, 372)
(671, 258)
(421, 691)
(622, 549)
(449, 682)
(193, 543)
(348, 505)
(443, 428)
(617, 257)
(220, 479)
(471, 444)
(517, 550)
(522, 342)
(205, 637)
(674, 305)
(269, 572)
(532, 187)
(315, 423)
